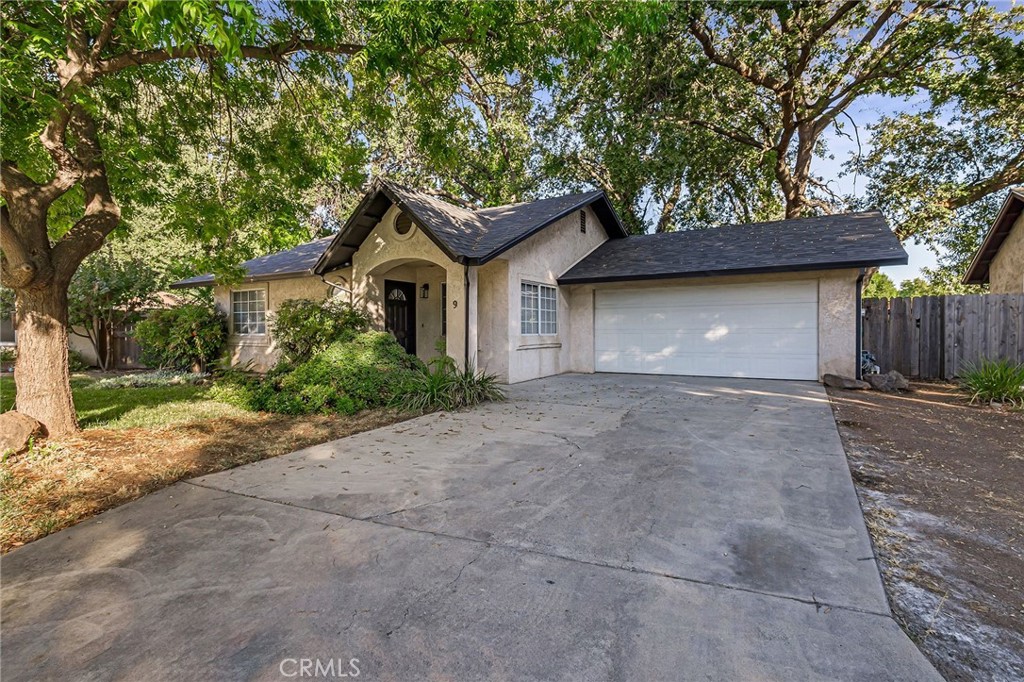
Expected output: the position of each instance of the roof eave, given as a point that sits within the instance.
(379, 186)
(691, 274)
(977, 272)
(185, 284)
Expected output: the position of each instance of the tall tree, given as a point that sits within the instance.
(97, 97)
(941, 173)
(768, 80)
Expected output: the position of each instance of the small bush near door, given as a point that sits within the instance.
(995, 381)
(302, 328)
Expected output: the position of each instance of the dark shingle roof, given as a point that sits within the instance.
(464, 235)
(847, 240)
(1011, 209)
(283, 264)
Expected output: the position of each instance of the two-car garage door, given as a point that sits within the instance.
(767, 330)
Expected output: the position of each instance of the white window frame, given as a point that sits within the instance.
(544, 309)
(231, 305)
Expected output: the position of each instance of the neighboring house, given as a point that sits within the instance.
(1000, 260)
(556, 285)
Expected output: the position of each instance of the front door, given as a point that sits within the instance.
(400, 313)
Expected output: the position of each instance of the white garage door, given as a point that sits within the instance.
(765, 330)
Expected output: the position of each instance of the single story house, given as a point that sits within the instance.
(999, 262)
(557, 285)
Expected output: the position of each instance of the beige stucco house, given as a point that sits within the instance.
(556, 285)
(1000, 260)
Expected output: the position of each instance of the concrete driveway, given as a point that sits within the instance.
(593, 527)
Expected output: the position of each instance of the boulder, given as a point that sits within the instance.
(16, 429)
(839, 381)
(888, 382)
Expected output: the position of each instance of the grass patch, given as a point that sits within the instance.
(125, 408)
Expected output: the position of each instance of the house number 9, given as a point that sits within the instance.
(455, 304)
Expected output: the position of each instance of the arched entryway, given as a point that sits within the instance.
(408, 298)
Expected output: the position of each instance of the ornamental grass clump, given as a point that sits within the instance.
(995, 381)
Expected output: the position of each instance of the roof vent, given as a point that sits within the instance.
(403, 224)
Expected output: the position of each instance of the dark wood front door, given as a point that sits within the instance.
(400, 312)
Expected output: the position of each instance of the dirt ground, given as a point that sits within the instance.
(942, 487)
(55, 485)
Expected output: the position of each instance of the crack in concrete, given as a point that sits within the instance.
(489, 544)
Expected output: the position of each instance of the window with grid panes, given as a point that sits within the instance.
(538, 310)
(249, 312)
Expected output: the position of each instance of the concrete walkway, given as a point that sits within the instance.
(593, 527)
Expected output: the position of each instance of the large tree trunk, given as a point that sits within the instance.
(41, 370)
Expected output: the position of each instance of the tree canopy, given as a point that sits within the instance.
(228, 128)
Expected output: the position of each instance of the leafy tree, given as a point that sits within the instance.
(100, 100)
(880, 286)
(939, 172)
(107, 293)
(765, 81)
(936, 282)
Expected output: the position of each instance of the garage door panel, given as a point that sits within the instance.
(763, 330)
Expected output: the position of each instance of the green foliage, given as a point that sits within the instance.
(181, 338)
(999, 381)
(880, 286)
(936, 282)
(160, 377)
(303, 328)
(348, 376)
(76, 361)
(107, 292)
(145, 407)
(443, 386)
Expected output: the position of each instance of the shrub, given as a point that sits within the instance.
(369, 370)
(161, 377)
(8, 354)
(303, 328)
(181, 338)
(76, 361)
(999, 381)
(443, 386)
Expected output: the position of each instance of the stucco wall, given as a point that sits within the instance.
(493, 319)
(413, 257)
(1006, 272)
(837, 314)
(259, 352)
(83, 346)
(541, 259)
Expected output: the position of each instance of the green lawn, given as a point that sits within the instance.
(125, 408)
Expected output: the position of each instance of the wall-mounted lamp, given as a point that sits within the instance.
(425, 291)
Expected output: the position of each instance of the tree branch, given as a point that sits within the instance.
(107, 29)
(272, 52)
(745, 71)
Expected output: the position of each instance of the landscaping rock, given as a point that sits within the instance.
(16, 429)
(839, 381)
(888, 382)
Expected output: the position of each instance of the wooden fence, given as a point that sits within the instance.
(935, 337)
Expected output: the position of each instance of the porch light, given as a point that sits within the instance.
(425, 291)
